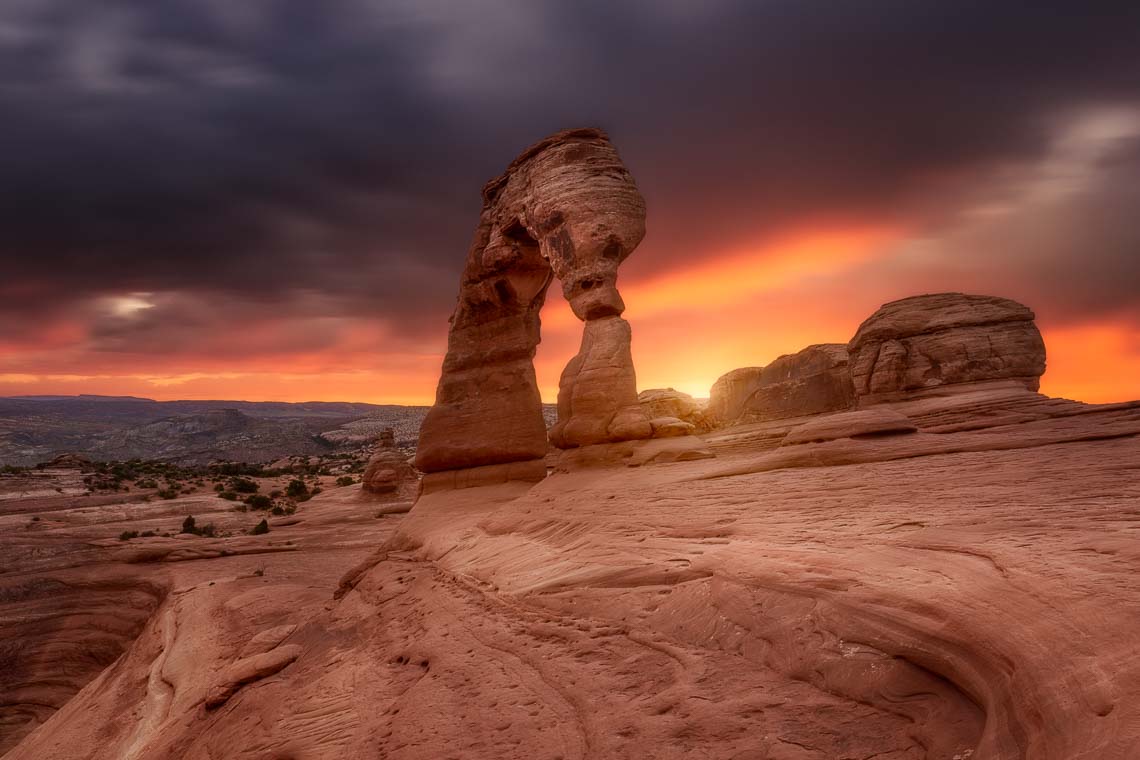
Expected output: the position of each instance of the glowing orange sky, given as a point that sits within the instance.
(743, 307)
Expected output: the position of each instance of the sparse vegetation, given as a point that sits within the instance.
(261, 528)
(345, 480)
(189, 526)
(244, 485)
(259, 501)
(297, 489)
(127, 535)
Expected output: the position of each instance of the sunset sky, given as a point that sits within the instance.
(272, 200)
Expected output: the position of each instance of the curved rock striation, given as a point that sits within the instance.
(568, 208)
(945, 339)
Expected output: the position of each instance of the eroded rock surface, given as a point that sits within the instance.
(731, 392)
(568, 208)
(667, 402)
(388, 473)
(811, 381)
(945, 339)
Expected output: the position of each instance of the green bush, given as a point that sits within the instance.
(259, 501)
(297, 489)
(244, 485)
(261, 528)
(345, 480)
(188, 525)
(228, 495)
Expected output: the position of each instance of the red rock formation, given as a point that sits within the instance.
(930, 341)
(667, 402)
(730, 392)
(388, 471)
(811, 381)
(566, 208)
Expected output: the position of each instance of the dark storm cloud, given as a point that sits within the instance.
(254, 150)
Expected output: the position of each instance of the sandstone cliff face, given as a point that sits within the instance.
(944, 339)
(811, 381)
(730, 392)
(568, 208)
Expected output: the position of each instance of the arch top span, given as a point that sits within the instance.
(565, 208)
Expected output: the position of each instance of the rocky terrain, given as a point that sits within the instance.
(889, 549)
(35, 429)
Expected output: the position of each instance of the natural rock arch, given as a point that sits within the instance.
(567, 208)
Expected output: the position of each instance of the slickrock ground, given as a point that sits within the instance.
(74, 597)
(967, 590)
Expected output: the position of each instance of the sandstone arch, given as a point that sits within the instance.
(566, 208)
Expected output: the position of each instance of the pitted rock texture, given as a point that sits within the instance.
(568, 208)
(943, 339)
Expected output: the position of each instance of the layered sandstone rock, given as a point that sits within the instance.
(929, 341)
(388, 472)
(568, 208)
(731, 392)
(667, 402)
(812, 381)
(861, 423)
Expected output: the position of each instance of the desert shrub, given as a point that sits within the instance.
(297, 489)
(237, 469)
(277, 493)
(259, 501)
(345, 480)
(316, 490)
(278, 509)
(228, 495)
(244, 485)
(188, 525)
(219, 487)
(11, 469)
(127, 535)
(207, 530)
(147, 534)
(168, 493)
(261, 528)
